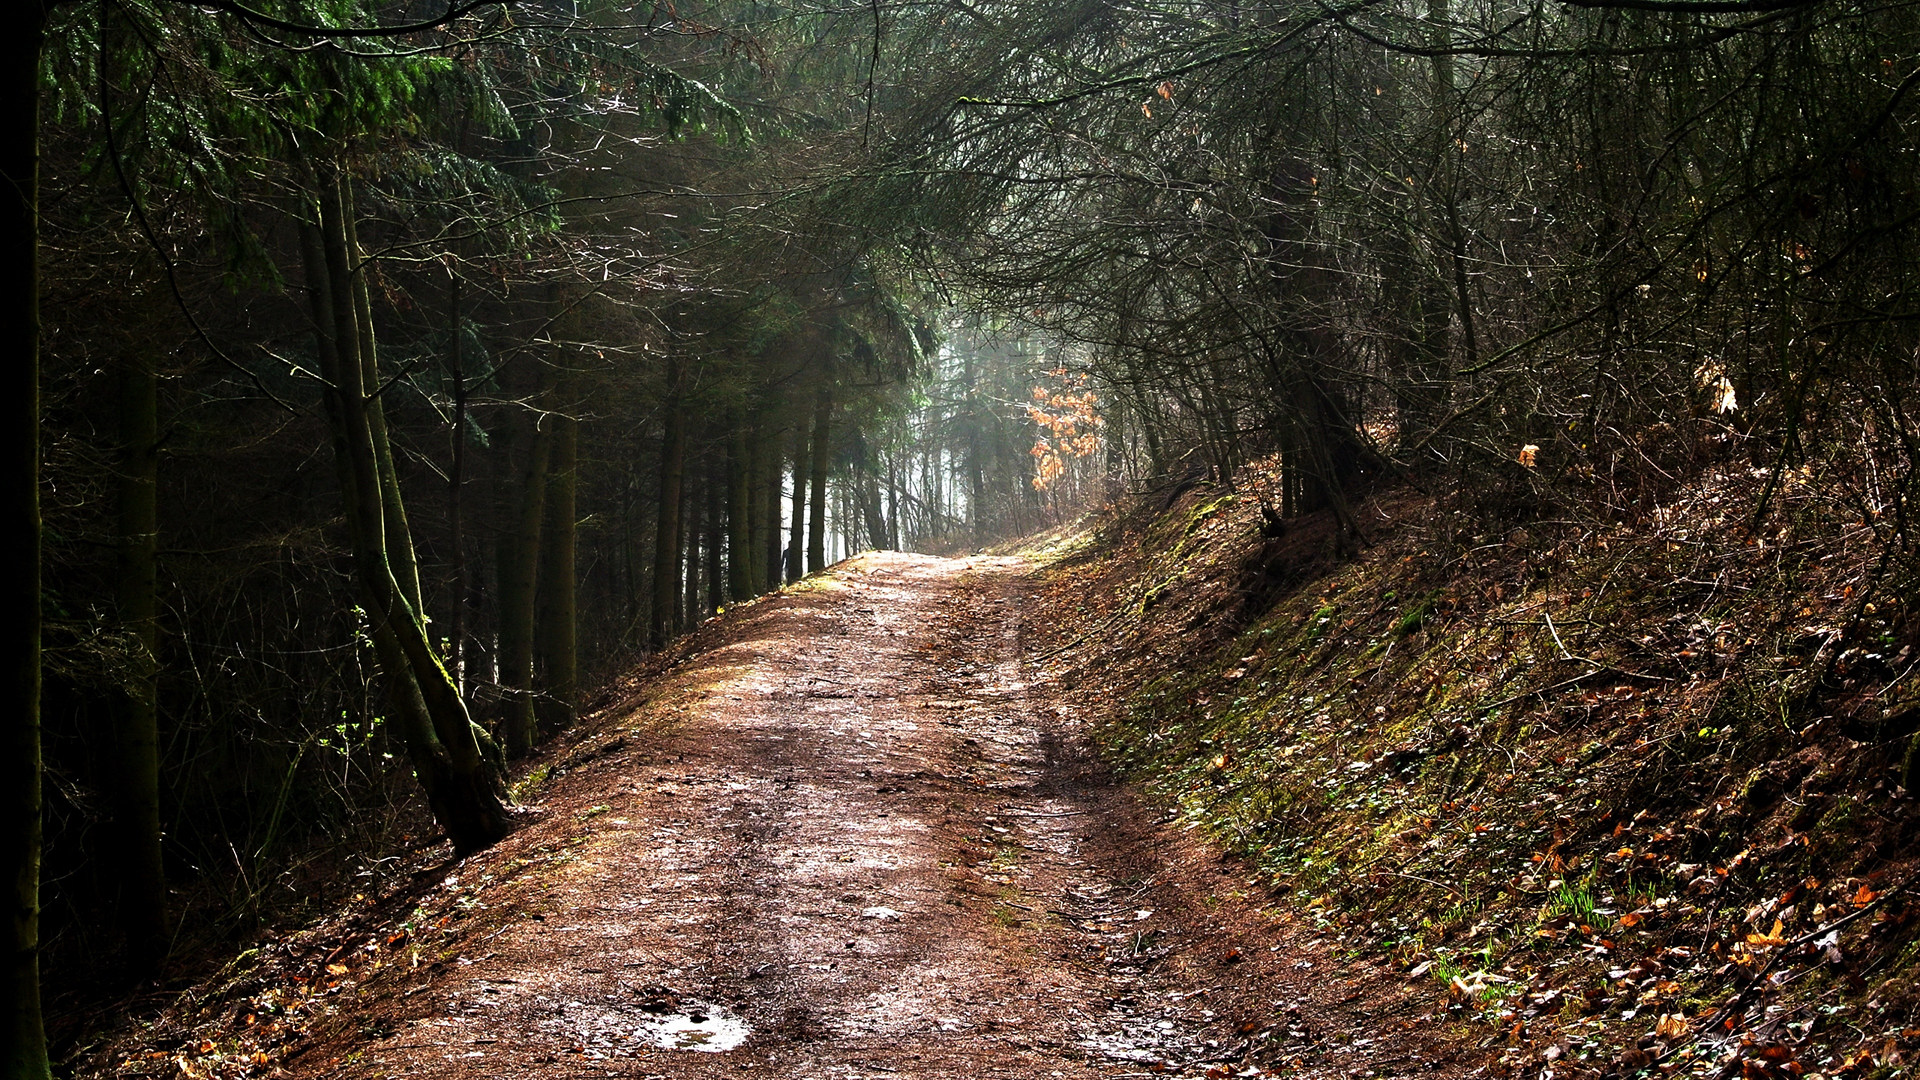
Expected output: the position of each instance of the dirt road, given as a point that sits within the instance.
(866, 846)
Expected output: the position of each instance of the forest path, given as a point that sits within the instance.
(871, 847)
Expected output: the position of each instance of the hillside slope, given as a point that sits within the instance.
(1636, 798)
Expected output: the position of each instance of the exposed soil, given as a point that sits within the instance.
(853, 828)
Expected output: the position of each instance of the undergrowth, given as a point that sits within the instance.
(1635, 797)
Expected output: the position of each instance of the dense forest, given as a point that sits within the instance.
(395, 374)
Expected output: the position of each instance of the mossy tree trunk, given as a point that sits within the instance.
(393, 512)
(441, 740)
(456, 483)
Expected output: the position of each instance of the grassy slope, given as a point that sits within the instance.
(1592, 781)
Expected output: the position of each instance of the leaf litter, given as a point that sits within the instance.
(1623, 800)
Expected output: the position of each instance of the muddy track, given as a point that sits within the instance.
(871, 847)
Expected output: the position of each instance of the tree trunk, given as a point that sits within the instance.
(867, 491)
(775, 473)
(558, 638)
(822, 458)
(456, 480)
(756, 551)
(666, 535)
(797, 539)
(693, 527)
(519, 566)
(716, 536)
(1321, 451)
(23, 1040)
(441, 739)
(893, 503)
(739, 517)
(399, 536)
(136, 742)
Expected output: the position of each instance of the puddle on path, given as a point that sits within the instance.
(709, 1031)
(600, 1031)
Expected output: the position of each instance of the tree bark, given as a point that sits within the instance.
(822, 459)
(456, 481)
(716, 535)
(797, 539)
(867, 491)
(23, 1040)
(136, 743)
(739, 516)
(398, 534)
(756, 497)
(666, 536)
(519, 566)
(693, 527)
(558, 636)
(770, 575)
(893, 503)
(441, 739)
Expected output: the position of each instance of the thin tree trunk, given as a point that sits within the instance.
(716, 535)
(689, 600)
(739, 516)
(867, 491)
(893, 503)
(666, 535)
(136, 743)
(558, 637)
(398, 534)
(519, 565)
(456, 480)
(822, 458)
(756, 495)
(23, 1040)
(770, 517)
(797, 539)
(694, 525)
